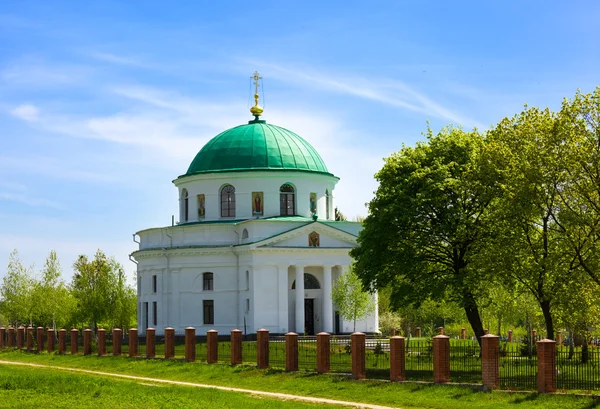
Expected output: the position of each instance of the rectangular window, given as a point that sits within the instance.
(145, 315)
(155, 313)
(247, 280)
(139, 285)
(208, 311)
(207, 281)
(247, 305)
(154, 286)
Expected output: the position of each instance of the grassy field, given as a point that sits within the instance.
(303, 383)
(22, 387)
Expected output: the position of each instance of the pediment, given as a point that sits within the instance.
(315, 235)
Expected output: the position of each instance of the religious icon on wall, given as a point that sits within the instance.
(257, 203)
(313, 239)
(201, 209)
(313, 203)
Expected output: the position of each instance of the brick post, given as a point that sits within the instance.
(463, 333)
(441, 359)
(212, 346)
(490, 361)
(50, 334)
(533, 335)
(323, 352)
(62, 341)
(440, 330)
(397, 359)
(117, 334)
(40, 339)
(418, 332)
(150, 343)
(291, 352)
(133, 342)
(486, 331)
(20, 336)
(510, 335)
(2, 337)
(30, 338)
(358, 355)
(262, 348)
(87, 341)
(10, 342)
(236, 347)
(101, 342)
(190, 344)
(74, 346)
(559, 338)
(546, 358)
(169, 342)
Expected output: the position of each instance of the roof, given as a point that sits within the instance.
(257, 146)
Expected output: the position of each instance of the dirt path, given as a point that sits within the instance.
(141, 379)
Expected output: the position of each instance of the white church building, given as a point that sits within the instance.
(256, 245)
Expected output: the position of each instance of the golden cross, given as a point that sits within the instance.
(256, 77)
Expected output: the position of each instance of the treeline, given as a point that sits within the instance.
(97, 296)
(504, 222)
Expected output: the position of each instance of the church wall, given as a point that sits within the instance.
(266, 308)
(302, 241)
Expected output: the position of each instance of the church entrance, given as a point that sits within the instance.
(309, 316)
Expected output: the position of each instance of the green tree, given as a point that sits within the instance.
(17, 291)
(349, 297)
(428, 221)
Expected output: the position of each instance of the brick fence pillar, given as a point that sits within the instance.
(559, 338)
(440, 330)
(358, 355)
(490, 361)
(30, 337)
(133, 342)
(40, 339)
(236, 347)
(2, 337)
(463, 333)
(533, 335)
(101, 342)
(10, 342)
(418, 332)
(74, 346)
(212, 346)
(169, 342)
(50, 334)
(190, 344)
(486, 331)
(510, 335)
(117, 335)
(262, 348)
(323, 352)
(150, 342)
(441, 359)
(291, 352)
(397, 359)
(87, 341)
(546, 360)
(62, 341)
(20, 336)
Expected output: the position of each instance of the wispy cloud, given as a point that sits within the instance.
(26, 112)
(28, 200)
(117, 59)
(386, 91)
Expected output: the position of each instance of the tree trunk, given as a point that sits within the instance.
(472, 313)
(571, 344)
(585, 355)
(545, 306)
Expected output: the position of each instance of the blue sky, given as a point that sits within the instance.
(103, 104)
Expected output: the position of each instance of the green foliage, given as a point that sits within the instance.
(352, 302)
(17, 292)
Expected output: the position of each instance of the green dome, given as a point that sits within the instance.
(257, 146)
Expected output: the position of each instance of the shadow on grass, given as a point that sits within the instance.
(530, 397)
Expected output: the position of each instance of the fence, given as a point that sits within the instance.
(541, 365)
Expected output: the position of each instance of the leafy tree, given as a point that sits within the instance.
(17, 291)
(428, 221)
(339, 216)
(352, 302)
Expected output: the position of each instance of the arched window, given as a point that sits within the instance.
(228, 201)
(185, 205)
(207, 282)
(310, 282)
(327, 204)
(287, 202)
(244, 234)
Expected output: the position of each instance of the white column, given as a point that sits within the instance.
(300, 300)
(283, 298)
(327, 302)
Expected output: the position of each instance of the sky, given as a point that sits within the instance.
(104, 103)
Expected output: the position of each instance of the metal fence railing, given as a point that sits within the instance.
(578, 369)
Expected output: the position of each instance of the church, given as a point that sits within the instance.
(257, 244)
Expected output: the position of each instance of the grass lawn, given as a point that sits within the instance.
(47, 388)
(304, 383)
